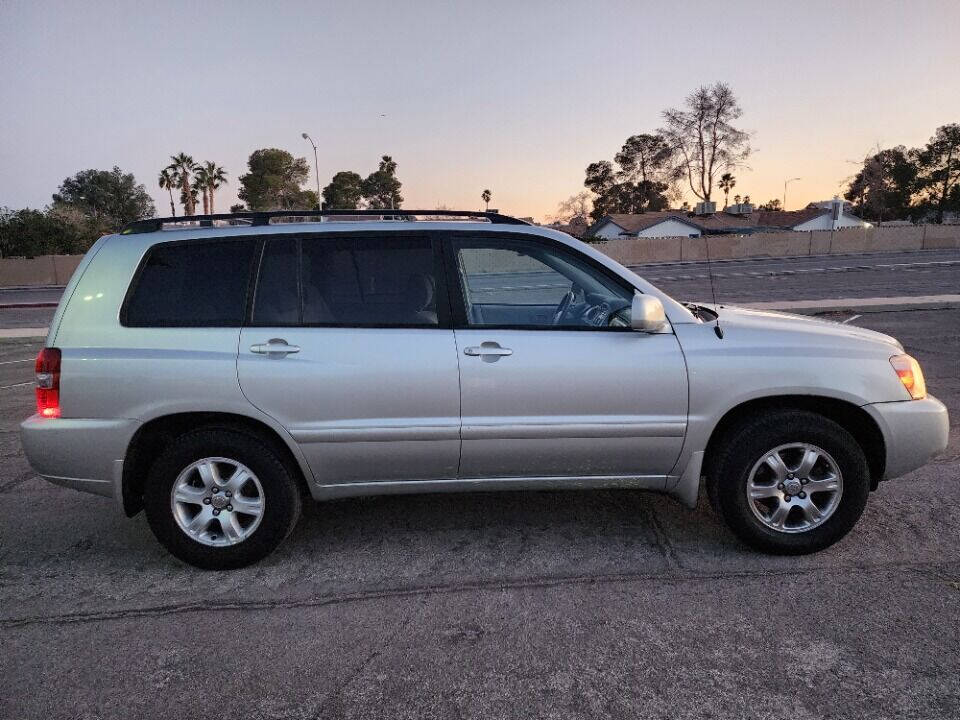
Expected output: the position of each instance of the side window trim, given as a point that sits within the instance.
(442, 294)
(458, 292)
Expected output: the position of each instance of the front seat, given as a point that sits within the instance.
(419, 300)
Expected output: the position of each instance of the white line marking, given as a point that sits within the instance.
(7, 387)
(11, 362)
(850, 319)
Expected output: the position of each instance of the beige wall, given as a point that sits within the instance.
(42, 270)
(633, 251)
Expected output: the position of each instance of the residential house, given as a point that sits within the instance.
(737, 220)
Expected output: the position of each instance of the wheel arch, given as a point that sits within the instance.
(151, 438)
(849, 416)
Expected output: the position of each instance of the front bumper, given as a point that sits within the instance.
(914, 431)
(79, 453)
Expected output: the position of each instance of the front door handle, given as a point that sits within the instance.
(274, 346)
(488, 351)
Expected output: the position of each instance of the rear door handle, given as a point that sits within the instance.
(274, 346)
(488, 351)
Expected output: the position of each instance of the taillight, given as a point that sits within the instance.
(48, 382)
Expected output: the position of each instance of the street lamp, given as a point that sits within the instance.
(316, 163)
(785, 183)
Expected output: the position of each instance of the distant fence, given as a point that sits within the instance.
(57, 269)
(634, 251)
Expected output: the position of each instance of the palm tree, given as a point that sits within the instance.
(201, 182)
(727, 181)
(485, 196)
(736, 199)
(181, 165)
(216, 178)
(168, 182)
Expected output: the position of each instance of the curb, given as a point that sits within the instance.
(8, 333)
(861, 305)
(22, 305)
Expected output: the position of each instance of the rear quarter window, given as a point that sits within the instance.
(191, 284)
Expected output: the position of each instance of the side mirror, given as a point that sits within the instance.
(646, 313)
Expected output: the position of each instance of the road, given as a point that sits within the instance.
(930, 272)
(501, 605)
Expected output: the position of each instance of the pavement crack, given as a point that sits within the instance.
(662, 541)
(425, 591)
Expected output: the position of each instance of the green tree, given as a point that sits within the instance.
(613, 196)
(30, 233)
(168, 182)
(883, 189)
(771, 205)
(485, 196)
(104, 200)
(273, 182)
(344, 191)
(703, 137)
(640, 182)
(938, 171)
(381, 188)
(182, 166)
(727, 181)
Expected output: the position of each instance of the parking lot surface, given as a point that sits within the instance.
(500, 605)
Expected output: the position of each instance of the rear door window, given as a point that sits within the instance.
(360, 281)
(191, 284)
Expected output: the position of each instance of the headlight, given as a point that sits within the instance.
(910, 374)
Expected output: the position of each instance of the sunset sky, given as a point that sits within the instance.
(513, 96)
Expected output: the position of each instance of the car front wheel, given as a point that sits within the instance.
(789, 482)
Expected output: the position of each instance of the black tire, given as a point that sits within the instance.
(281, 508)
(743, 445)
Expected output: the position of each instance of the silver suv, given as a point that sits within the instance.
(215, 373)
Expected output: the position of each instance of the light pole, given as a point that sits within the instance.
(316, 164)
(785, 183)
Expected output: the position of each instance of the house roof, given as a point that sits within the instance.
(786, 218)
(721, 222)
(642, 221)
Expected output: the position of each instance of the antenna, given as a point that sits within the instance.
(713, 290)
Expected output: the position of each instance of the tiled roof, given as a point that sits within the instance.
(718, 222)
(636, 223)
(786, 218)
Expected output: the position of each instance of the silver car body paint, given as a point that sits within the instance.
(381, 411)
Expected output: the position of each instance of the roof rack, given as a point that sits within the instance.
(264, 218)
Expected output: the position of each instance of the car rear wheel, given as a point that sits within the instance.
(789, 482)
(220, 499)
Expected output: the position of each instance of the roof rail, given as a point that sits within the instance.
(264, 218)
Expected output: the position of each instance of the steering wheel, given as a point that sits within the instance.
(564, 305)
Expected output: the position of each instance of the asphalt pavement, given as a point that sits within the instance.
(591, 604)
(928, 272)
